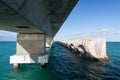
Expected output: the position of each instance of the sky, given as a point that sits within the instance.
(7, 36)
(88, 19)
(91, 17)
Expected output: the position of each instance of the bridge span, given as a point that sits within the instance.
(36, 22)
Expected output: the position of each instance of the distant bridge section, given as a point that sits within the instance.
(92, 48)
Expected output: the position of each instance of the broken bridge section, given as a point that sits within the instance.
(94, 48)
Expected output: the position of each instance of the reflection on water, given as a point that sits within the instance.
(63, 65)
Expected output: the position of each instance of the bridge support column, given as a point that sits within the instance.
(30, 49)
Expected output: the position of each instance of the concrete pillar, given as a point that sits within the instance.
(30, 49)
(16, 65)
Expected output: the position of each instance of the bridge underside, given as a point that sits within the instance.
(32, 18)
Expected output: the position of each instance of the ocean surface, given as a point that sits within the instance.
(63, 65)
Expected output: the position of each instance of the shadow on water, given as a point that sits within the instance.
(75, 66)
(63, 65)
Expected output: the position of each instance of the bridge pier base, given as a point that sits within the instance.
(16, 65)
(30, 49)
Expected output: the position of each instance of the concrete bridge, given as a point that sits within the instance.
(94, 49)
(36, 22)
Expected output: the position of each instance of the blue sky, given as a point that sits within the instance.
(93, 17)
(7, 36)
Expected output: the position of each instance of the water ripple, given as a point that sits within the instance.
(63, 65)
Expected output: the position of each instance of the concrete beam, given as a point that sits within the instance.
(46, 15)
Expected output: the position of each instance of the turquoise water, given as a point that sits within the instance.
(63, 65)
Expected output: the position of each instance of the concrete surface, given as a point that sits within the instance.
(35, 16)
(23, 59)
(95, 48)
(31, 44)
(30, 49)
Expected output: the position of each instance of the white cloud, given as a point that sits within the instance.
(109, 34)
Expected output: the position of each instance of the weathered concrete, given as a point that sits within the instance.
(30, 49)
(48, 41)
(31, 17)
(45, 15)
(35, 16)
(22, 59)
(95, 48)
(31, 44)
(16, 65)
(12, 21)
